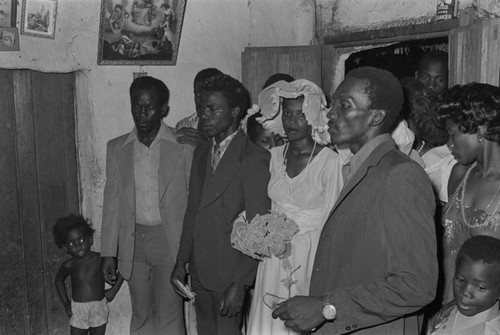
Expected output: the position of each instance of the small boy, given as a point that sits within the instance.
(88, 308)
(476, 288)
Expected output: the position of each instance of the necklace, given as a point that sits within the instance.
(285, 160)
(488, 217)
(419, 150)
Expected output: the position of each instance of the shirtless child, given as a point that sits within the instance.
(88, 307)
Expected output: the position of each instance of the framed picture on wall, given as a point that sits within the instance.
(8, 10)
(39, 18)
(9, 39)
(140, 32)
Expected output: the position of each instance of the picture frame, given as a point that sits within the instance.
(9, 39)
(38, 18)
(8, 13)
(140, 32)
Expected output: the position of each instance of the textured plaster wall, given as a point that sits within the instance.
(215, 32)
(354, 14)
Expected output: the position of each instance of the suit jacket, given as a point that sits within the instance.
(376, 257)
(215, 201)
(118, 219)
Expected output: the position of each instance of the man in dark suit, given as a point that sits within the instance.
(229, 175)
(375, 265)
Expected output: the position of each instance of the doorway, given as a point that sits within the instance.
(38, 184)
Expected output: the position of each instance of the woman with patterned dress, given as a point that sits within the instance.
(472, 115)
(305, 182)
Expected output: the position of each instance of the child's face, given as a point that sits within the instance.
(476, 286)
(267, 140)
(77, 244)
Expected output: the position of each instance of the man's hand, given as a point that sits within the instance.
(108, 267)
(190, 136)
(301, 313)
(179, 274)
(68, 311)
(232, 300)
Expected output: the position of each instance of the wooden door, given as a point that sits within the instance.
(312, 62)
(38, 184)
(474, 52)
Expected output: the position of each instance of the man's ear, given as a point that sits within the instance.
(91, 239)
(378, 116)
(165, 109)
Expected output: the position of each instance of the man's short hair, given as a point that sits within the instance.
(481, 248)
(204, 75)
(384, 90)
(433, 56)
(234, 91)
(148, 83)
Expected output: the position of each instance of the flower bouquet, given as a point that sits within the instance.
(265, 235)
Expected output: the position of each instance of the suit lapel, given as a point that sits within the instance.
(125, 161)
(169, 157)
(225, 171)
(373, 159)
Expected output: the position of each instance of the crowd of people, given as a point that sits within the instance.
(393, 190)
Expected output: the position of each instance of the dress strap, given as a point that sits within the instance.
(312, 154)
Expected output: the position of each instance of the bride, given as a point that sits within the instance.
(305, 182)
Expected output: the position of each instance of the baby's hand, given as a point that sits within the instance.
(68, 311)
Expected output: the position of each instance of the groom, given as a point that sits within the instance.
(375, 264)
(229, 175)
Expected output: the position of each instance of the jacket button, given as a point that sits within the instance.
(348, 328)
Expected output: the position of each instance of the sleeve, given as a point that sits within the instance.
(195, 184)
(408, 241)
(188, 151)
(111, 207)
(255, 181)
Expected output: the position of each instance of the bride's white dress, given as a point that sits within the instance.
(307, 199)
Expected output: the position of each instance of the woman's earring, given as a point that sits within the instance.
(481, 131)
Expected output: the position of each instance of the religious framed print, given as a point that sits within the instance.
(140, 32)
(39, 18)
(8, 10)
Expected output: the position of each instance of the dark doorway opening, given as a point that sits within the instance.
(400, 58)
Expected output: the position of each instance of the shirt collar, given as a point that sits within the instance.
(463, 322)
(164, 133)
(225, 142)
(360, 157)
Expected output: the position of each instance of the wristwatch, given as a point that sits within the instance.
(329, 311)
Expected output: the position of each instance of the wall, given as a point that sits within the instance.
(337, 15)
(215, 32)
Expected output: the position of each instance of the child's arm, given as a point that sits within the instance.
(61, 276)
(111, 292)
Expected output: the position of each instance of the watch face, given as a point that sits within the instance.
(329, 312)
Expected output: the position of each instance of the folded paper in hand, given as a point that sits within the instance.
(187, 290)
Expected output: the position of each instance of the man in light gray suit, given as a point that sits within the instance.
(145, 197)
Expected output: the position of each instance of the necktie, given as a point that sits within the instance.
(216, 156)
(346, 170)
